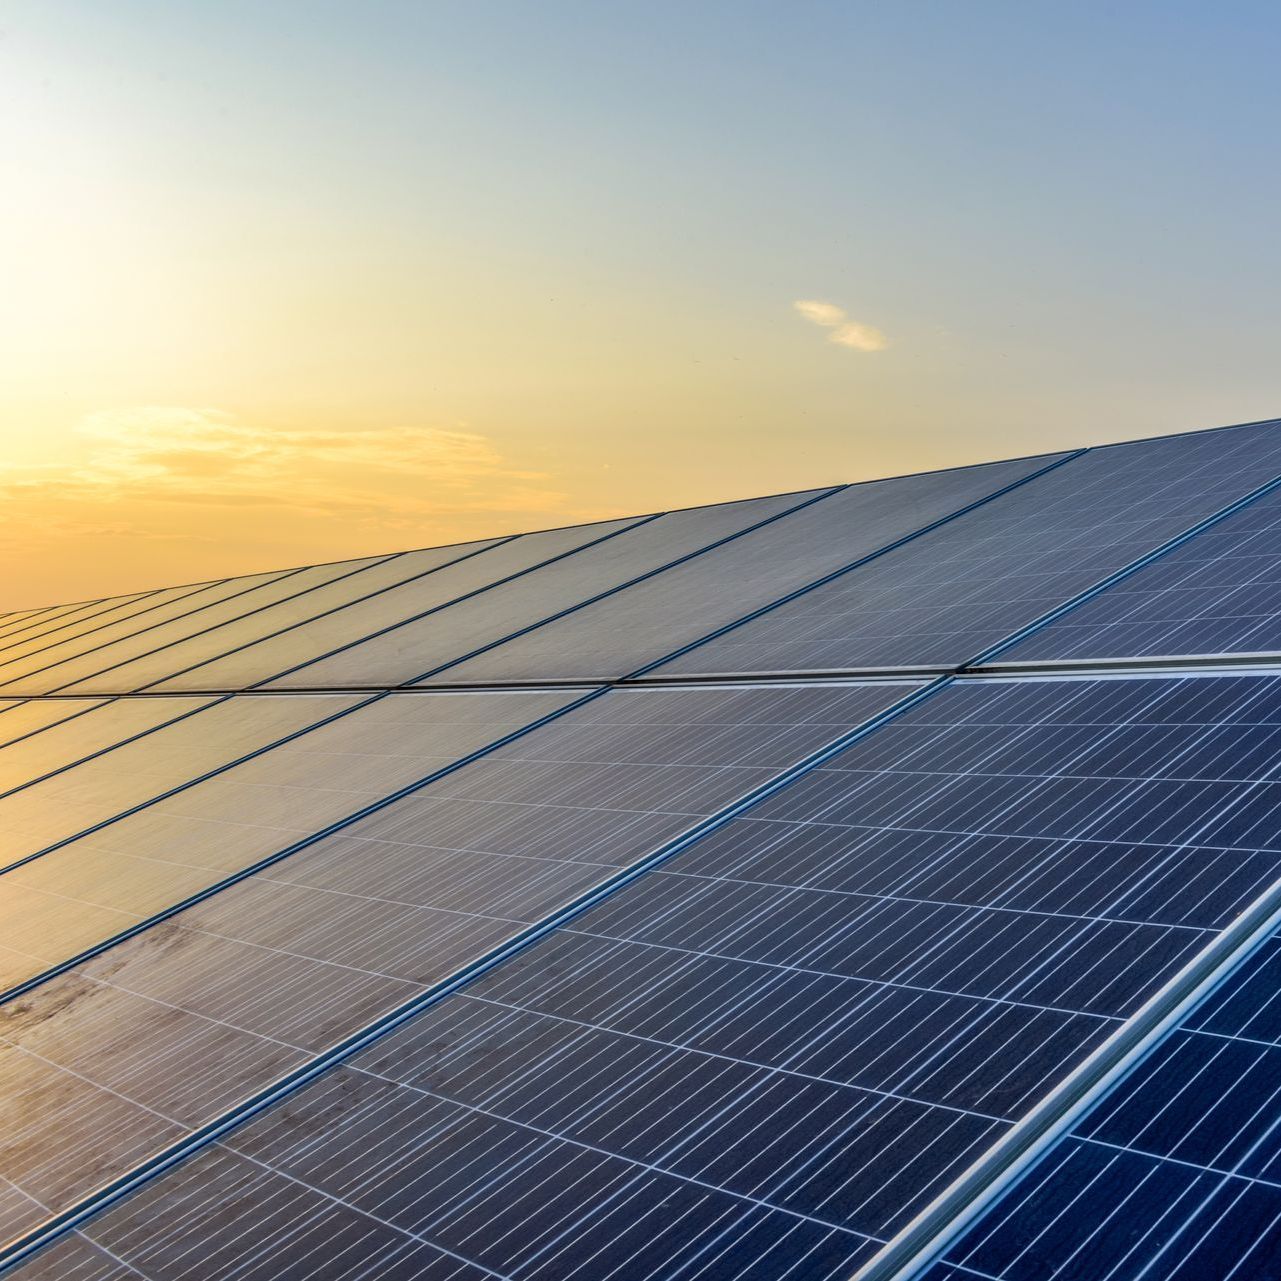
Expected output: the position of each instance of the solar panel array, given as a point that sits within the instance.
(876, 881)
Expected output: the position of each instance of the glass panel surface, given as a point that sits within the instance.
(75, 737)
(945, 598)
(101, 788)
(20, 717)
(52, 666)
(142, 609)
(62, 615)
(92, 888)
(265, 654)
(402, 655)
(1176, 1173)
(326, 597)
(1218, 593)
(783, 1041)
(645, 623)
(132, 1047)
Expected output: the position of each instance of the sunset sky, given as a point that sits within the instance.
(287, 282)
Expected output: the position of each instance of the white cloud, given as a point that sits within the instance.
(860, 337)
(821, 313)
(845, 332)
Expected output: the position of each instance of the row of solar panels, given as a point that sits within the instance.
(879, 921)
(767, 1053)
(915, 572)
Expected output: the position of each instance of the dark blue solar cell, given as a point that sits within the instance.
(1175, 1173)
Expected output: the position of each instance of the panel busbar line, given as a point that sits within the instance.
(988, 860)
(398, 654)
(274, 971)
(966, 587)
(628, 630)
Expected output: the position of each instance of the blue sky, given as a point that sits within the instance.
(564, 243)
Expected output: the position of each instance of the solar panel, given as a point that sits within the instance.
(244, 655)
(136, 1046)
(204, 736)
(90, 889)
(143, 609)
(150, 657)
(47, 621)
(84, 728)
(517, 965)
(18, 618)
(821, 1012)
(399, 655)
(20, 717)
(647, 622)
(945, 598)
(1218, 593)
(58, 667)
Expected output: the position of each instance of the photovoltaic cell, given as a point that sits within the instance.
(105, 649)
(98, 789)
(1175, 1174)
(90, 889)
(945, 598)
(405, 653)
(1218, 593)
(769, 1052)
(136, 1046)
(247, 657)
(648, 621)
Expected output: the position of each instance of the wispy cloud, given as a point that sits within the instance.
(202, 484)
(164, 454)
(845, 332)
(821, 313)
